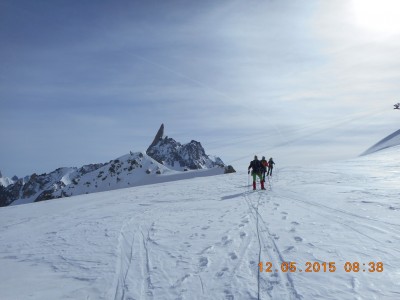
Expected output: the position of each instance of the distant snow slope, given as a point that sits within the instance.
(203, 238)
(389, 141)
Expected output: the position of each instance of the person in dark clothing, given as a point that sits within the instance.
(257, 168)
(270, 166)
(265, 166)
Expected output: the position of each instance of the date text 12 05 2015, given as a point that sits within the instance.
(315, 267)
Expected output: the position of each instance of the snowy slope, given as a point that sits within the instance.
(5, 181)
(203, 238)
(389, 141)
(126, 171)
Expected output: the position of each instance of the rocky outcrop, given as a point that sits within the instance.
(157, 138)
(44, 186)
(229, 169)
(10, 193)
(190, 156)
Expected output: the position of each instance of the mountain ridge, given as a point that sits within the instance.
(129, 170)
(391, 140)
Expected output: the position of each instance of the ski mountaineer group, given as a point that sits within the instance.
(259, 168)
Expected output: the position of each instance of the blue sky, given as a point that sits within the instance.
(302, 81)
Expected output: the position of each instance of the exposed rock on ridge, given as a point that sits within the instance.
(157, 138)
(177, 156)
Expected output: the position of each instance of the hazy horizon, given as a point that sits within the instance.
(303, 82)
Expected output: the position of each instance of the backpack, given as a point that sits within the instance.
(257, 166)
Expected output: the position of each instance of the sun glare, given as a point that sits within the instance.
(380, 16)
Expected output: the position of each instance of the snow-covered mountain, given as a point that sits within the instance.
(42, 187)
(5, 181)
(180, 157)
(126, 171)
(389, 141)
(322, 232)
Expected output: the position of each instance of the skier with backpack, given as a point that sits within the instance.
(265, 166)
(257, 169)
(270, 166)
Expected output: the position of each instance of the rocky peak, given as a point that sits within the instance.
(157, 138)
(175, 155)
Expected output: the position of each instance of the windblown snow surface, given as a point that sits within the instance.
(203, 238)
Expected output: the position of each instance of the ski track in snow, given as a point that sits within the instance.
(278, 286)
(232, 245)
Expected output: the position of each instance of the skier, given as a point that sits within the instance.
(257, 168)
(265, 166)
(270, 166)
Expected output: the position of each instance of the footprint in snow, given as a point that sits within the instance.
(242, 234)
(295, 223)
(222, 272)
(298, 239)
(275, 236)
(288, 249)
(228, 295)
(226, 241)
(205, 227)
(203, 262)
(233, 255)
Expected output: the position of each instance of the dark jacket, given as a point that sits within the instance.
(256, 165)
(271, 164)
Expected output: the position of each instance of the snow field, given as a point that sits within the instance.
(203, 238)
